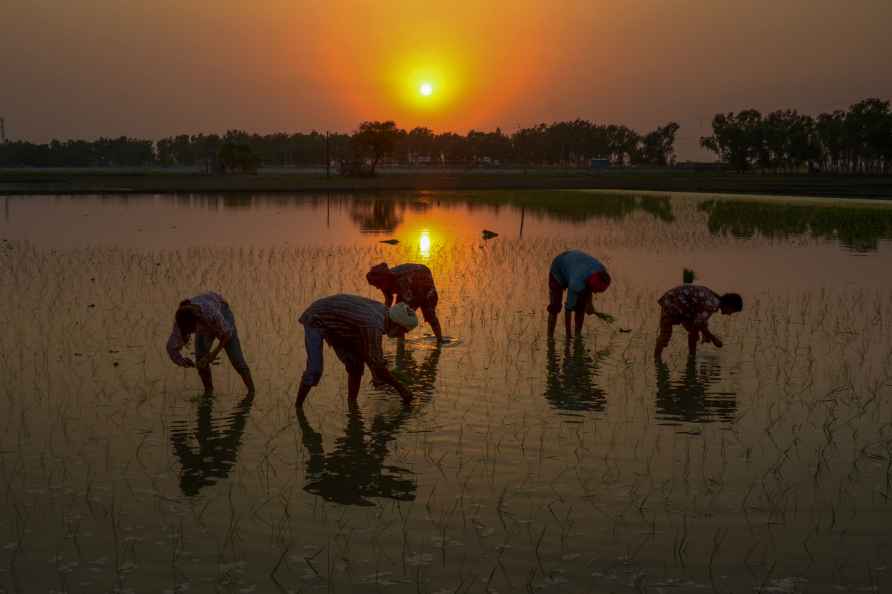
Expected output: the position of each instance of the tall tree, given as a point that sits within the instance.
(377, 140)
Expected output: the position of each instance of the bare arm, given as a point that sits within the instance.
(374, 357)
(382, 374)
(174, 344)
(430, 316)
(701, 323)
(210, 357)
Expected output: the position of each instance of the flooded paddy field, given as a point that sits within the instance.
(524, 464)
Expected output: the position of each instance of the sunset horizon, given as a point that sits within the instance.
(156, 69)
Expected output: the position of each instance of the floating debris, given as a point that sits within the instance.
(487, 234)
(390, 241)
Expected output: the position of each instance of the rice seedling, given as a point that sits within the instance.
(523, 465)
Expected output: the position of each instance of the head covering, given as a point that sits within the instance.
(598, 282)
(379, 275)
(403, 315)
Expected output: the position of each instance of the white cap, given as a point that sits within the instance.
(403, 315)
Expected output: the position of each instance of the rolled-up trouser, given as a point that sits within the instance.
(348, 354)
(233, 347)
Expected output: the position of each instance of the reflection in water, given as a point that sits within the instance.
(424, 244)
(355, 470)
(858, 228)
(563, 205)
(218, 444)
(570, 384)
(660, 207)
(420, 379)
(376, 216)
(689, 399)
(385, 215)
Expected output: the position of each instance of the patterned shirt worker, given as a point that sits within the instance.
(691, 306)
(209, 317)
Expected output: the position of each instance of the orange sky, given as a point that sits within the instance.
(152, 68)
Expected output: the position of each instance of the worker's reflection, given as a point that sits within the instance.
(355, 470)
(690, 399)
(212, 453)
(570, 381)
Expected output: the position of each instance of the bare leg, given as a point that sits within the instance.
(580, 319)
(438, 332)
(663, 339)
(693, 339)
(302, 395)
(552, 322)
(206, 379)
(245, 372)
(354, 381)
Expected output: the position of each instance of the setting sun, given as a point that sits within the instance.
(426, 89)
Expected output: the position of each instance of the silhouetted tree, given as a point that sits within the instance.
(376, 140)
(658, 147)
(237, 157)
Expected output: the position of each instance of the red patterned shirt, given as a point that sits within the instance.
(690, 303)
(414, 284)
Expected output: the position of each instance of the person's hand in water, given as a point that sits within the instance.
(710, 337)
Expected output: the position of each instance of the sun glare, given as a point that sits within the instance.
(426, 89)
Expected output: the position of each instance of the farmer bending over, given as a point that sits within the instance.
(691, 306)
(353, 326)
(581, 276)
(208, 317)
(412, 284)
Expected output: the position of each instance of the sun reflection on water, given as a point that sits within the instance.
(424, 244)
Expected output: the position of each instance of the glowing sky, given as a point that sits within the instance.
(86, 68)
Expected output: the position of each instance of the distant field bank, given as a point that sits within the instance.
(118, 181)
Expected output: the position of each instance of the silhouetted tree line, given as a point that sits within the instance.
(857, 141)
(121, 151)
(561, 143)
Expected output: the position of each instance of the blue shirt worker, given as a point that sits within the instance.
(581, 276)
(353, 327)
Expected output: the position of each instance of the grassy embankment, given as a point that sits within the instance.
(93, 181)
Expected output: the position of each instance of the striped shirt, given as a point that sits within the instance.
(414, 284)
(690, 303)
(210, 322)
(351, 320)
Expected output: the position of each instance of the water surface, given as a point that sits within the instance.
(524, 464)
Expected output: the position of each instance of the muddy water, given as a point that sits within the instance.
(524, 464)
